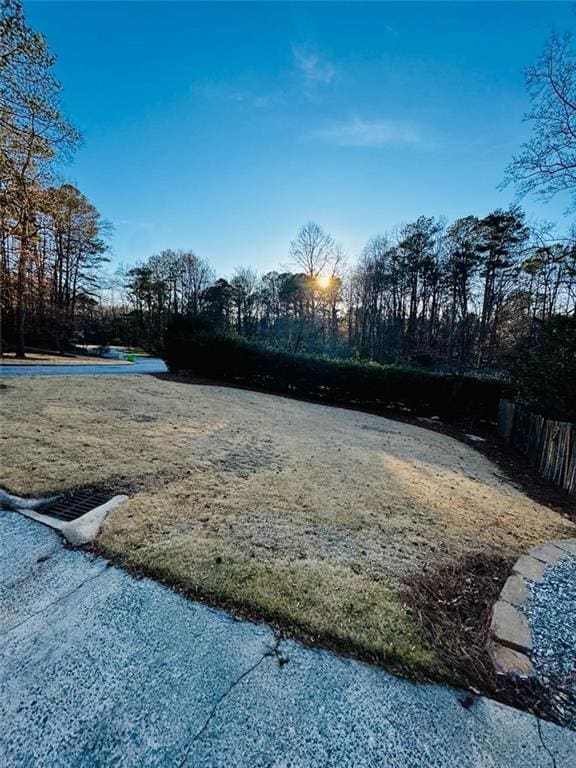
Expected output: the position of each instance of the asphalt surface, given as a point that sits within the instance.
(142, 365)
(98, 668)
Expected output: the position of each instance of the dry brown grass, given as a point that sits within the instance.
(310, 515)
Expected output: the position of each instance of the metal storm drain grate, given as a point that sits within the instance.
(74, 504)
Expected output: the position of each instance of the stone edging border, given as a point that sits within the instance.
(510, 637)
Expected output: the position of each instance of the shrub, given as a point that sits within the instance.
(191, 346)
(544, 375)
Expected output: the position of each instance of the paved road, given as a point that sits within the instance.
(142, 365)
(98, 669)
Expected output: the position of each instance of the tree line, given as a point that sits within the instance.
(52, 239)
(463, 294)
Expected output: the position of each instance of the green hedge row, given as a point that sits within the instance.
(189, 346)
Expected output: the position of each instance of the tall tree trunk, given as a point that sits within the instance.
(21, 288)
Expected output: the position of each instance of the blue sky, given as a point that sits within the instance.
(223, 127)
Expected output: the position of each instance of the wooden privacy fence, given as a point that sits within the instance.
(549, 445)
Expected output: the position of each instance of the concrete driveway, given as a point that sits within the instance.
(142, 365)
(98, 668)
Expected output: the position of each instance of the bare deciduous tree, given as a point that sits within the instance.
(547, 162)
(313, 250)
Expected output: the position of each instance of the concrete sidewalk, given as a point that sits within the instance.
(100, 669)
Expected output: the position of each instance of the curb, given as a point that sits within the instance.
(84, 529)
(510, 636)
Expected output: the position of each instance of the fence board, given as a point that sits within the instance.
(548, 444)
(506, 418)
(571, 468)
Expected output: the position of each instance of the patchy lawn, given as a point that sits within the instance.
(314, 517)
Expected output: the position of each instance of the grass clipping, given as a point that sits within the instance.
(309, 516)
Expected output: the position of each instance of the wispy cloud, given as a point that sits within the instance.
(255, 100)
(368, 133)
(316, 69)
(247, 97)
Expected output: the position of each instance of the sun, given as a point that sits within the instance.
(324, 281)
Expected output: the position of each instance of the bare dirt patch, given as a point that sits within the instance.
(309, 515)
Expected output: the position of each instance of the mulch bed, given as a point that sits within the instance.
(453, 606)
